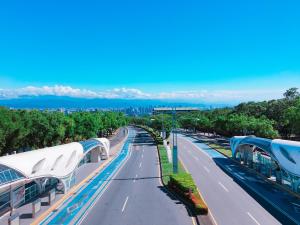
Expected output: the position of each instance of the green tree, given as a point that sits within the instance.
(291, 94)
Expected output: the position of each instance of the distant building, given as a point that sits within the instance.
(169, 110)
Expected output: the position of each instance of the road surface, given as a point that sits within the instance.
(228, 202)
(135, 195)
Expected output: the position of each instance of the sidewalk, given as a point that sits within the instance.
(83, 171)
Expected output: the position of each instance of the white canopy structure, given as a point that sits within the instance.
(58, 162)
(286, 153)
(280, 158)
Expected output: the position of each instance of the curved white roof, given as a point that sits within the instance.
(286, 153)
(58, 161)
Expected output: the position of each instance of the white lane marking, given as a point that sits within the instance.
(239, 176)
(295, 204)
(206, 169)
(222, 185)
(228, 167)
(124, 205)
(197, 147)
(249, 214)
(142, 155)
(140, 165)
(195, 158)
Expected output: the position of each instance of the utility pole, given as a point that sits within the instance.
(174, 133)
(163, 127)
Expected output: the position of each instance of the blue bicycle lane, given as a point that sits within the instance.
(76, 208)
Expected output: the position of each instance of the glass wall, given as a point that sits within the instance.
(265, 165)
(4, 202)
(31, 191)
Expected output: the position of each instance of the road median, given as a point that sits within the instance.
(181, 184)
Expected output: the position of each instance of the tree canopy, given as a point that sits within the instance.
(32, 129)
(270, 119)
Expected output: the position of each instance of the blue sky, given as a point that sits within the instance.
(152, 46)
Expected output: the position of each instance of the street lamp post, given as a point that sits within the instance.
(162, 127)
(175, 149)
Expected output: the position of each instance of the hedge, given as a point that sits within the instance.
(166, 166)
(183, 184)
(155, 134)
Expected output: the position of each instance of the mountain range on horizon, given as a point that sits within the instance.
(57, 102)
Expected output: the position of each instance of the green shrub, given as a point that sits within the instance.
(155, 134)
(166, 166)
(183, 184)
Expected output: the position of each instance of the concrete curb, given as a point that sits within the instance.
(76, 187)
(202, 218)
(254, 171)
(170, 192)
(262, 198)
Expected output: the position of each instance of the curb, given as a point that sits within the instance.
(257, 173)
(262, 198)
(74, 189)
(209, 214)
(174, 194)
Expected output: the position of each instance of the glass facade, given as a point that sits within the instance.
(88, 144)
(264, 164)
(4, 202)
(8, 175)
(31, 191)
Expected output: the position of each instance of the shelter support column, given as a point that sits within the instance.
(96, 155)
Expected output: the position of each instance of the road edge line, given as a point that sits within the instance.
(57, 204)
(193, 218)
(209, 211)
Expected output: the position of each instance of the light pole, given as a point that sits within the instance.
(163, 127)
(175, 149)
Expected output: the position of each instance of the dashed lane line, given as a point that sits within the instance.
(252, 217)
(222, 185)
(125, 203)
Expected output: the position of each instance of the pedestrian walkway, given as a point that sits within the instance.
(83, 171)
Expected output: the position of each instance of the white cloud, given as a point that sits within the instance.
(132, 93)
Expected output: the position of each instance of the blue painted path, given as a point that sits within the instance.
(205, 148)
(94, 188)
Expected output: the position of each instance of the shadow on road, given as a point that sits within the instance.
(272, 198)
(143, 138)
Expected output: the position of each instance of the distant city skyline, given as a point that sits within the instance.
(193, 96)
(212, 51)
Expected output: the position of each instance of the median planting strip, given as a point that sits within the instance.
(182, 183)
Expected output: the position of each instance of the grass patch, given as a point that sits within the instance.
(221, 149)
(181, 183)
(184, 185)
(166, 166)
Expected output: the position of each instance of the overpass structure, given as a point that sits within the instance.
(26, 175)
(278, 160)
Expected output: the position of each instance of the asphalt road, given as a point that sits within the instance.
(116, 139)
(228, 202)
(135, 195)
